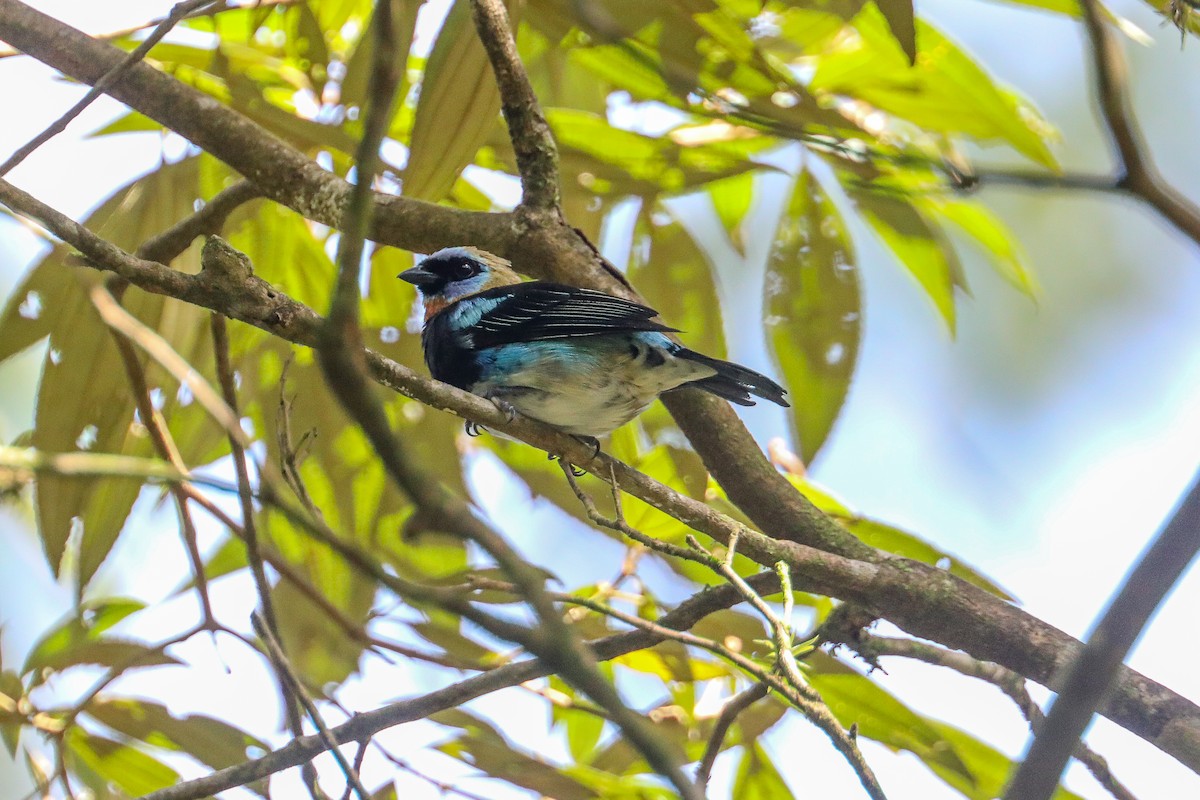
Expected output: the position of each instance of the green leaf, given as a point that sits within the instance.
(757, 778)
(894, 540)
(483, 747)
(11, 722)
(583, 727)
(79, 640)
(995, 240)
(813, 311)
(128, 768)
(677, 278)
(458, 107)
(731, 199)
(855, 700)
(83, 397)
(990, 769)
(210, 741)
(903, 24)
(945, 91)
(919, 247)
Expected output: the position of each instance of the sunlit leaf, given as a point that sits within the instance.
(995, 240)
(990, 769)
(900, 19)
(920, 248)
(483, 747)
(677, 279)
(210, 741)
(945, 91)
(132, 770)
(894, 540)
(813, 311)
(731, 199)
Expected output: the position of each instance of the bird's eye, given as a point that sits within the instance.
(463, 269)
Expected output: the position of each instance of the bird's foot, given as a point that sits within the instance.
(472, 429)
(590, 441)
(506, 408)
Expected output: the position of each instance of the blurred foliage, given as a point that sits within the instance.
(660, 109)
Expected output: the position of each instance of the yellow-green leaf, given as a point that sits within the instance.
(813, 309)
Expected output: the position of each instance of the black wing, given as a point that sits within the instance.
(528, 312)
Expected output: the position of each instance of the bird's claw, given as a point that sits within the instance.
(506, 408)
(472, 429)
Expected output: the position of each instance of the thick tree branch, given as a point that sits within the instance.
(533, 143)
(343, 361)
(922, 599)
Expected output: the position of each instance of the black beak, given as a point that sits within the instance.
(418, 276)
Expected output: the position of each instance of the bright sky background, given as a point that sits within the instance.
(1045, 444)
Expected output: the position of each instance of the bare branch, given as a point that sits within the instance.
(168, 245)
(533, 143)
(281, 172)
(1136, 170)
(872, 647)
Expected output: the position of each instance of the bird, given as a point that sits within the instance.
(581, 361)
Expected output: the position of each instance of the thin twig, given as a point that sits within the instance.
(729, 712)
(1136, 170)
(813, 706)
(180, 11)
(296, 689)
(262, 586)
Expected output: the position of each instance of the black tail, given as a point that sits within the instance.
(733, 382)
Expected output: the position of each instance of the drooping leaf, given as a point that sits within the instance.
(894, 540)
(83, 637)
(484, 748)
(677, 279)
(458, 107)
(758, 778)
(84, 401)
(856, 700)
(945, 91)
(135, 772)
(813, 311)
(210, 741)
(731, 199)
(903, 24)
(993, 237)
(990, 769)
(920, 248)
